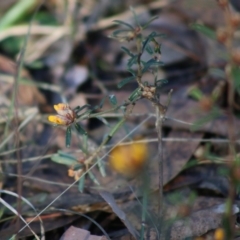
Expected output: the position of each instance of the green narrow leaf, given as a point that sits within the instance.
(135, 94)
(215, 113)
(63, 160)
(77, 166)
(85, 143)
(196, 93)
(149, 49)
(93, 178)
(113, 99)
(68, 136)
(135, 16)
(78, 108)
(145, 43)
(159, 35)
(117, 32)
(217, 72)
(102, 102)
(16, 12)
(204, 29)
(132, 61)
(81, 183)
(236, 78)
(123, 23)
(125, 81)
(103, 120)
(80, 129)
(66, 155)
(155, 62)
(147, 24)
(151, 63)
(148, 39)
(157, 46)
(101, 167)
(160, 82)
(131, 71)
(116, 127)
(127, 51)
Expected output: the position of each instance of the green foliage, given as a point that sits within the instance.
(81, 183)
(236, 78)
(217, 72)
(12, 44)
(64, 158)
(151, 38)
(135, 94)
(16, 12)
(79, 109)
(80, 169)
(80, 129)
(204, 30)
(125, 81)
(113, 99)
(196, 93)
(149, 21)
(151, 63)
(124, 24)
(44, 18)
(103, 120)
(148, 44)
(69, 160)
(212, 115)
(160, 82)
(127, 51)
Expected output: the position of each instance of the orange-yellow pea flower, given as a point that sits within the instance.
(66, 115)
(129, 160)
(219, 234)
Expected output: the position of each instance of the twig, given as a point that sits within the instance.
(160, 117)
(159, 123)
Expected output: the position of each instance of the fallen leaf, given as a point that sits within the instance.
(27, 94)
(175, 156)
(74, 233)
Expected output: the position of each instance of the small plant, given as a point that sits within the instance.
(137, 67)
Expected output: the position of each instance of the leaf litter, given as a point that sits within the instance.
(194, 193)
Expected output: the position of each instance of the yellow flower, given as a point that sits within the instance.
(129, 160)
(219, 234)
(66, 115)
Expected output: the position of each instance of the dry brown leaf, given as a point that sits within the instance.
(74, 233)
(27, 94)
(199, 222)
(175, 156)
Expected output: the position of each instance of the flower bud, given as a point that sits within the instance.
(219, 234)
(206, 104)
(152, 89)
(222, 35)
(236, 56)
(235, 20)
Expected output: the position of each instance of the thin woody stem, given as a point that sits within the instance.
(160, 117)
(159, 122)
(139, 70)
(231, 129)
